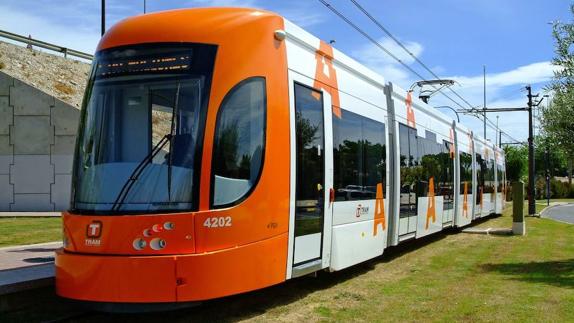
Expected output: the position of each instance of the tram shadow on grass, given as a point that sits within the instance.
(558, 273)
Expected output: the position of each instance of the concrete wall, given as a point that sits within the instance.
(37, 136)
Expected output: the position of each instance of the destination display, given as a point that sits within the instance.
(176, 62)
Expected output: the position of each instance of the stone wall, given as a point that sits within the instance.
(37, 136)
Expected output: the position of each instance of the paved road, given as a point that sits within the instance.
(27, 256)
(27, 267)
(563, 213)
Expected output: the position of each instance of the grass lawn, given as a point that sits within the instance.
(19, 231)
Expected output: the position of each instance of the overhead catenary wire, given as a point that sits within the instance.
(419, 61)
(398, 42)
(376, 43)
(471, 108)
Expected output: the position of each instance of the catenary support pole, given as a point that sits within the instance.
(531, 203)
(484, 99)
(518, 226)
(546, 155)
(103, 17)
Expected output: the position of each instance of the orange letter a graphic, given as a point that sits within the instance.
(327, 81)
(379, 209)
(410, 111)
(431, 206)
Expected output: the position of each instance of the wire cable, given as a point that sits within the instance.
(472, 109)
(398, 42)
(376, 43)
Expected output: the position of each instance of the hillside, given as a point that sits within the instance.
(61, 77)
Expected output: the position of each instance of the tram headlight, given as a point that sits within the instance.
(157, 244)
(139, 244)
(169, 226)
(65, 239)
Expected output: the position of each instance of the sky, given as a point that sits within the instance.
(454, 38)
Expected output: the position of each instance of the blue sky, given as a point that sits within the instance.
(455, 38)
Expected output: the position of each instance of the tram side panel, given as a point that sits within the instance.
(360, 222)
(361, 167)
(477, 178)
(425, 161)
(500, 180)
(357, 142)
(484, 176)
(488, 192)
(465, 177)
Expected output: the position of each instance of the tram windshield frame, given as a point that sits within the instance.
(141, 130)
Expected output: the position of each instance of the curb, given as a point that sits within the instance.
(28, 245)
(488, 231)
(7, 215)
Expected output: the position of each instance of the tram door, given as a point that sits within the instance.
(310, 183)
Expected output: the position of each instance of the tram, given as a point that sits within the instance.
(224, 150)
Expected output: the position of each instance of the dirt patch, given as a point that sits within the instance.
(64, 89)
(64, 78)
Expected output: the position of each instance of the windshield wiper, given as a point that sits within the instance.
(138, 170)
(172, 137)
(134, 176)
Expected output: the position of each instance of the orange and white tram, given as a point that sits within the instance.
(223, 150)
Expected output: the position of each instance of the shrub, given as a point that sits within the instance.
(559, 189)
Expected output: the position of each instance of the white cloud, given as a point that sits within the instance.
(532, 73)
(372, 56)
(503, 89)
(82, 38)
(302, 17)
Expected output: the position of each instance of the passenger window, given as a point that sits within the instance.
(423, 158)
(359, 155)
(239, 142)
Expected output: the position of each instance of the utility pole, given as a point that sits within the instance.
(496, 135)
(103, 17)
(144, 6)
(484, 101)
(546, 153)
(531, 203)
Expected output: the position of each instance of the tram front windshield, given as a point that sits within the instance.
(141, 127)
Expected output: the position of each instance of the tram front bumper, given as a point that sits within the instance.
(171, 278)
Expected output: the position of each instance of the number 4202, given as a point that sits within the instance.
(217, 222)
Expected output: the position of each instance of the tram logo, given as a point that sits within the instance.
(94, 229)
(361, 210)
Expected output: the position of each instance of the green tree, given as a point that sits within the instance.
(558, 118)
(516, 161)
(556, 162)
